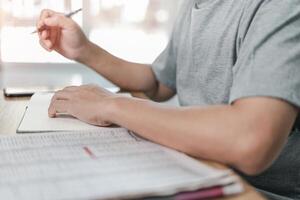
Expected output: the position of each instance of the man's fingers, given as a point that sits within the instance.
(43, 31)
(49, 30)
(44, 46)
(59, 103)
(45, 34)
(44, 14)
(71, 88)
(62, 95)
(58, 106)
(58, 37)
(53, 36)
(105, 124)
(45, 40)
(49, 44)
(58, 21)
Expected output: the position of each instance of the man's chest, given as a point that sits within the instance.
(207, 51)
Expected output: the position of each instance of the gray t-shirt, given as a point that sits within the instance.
(224, 50)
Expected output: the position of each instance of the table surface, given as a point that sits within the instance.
(11, 112)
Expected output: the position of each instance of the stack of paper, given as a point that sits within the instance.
(89, 162)
(102, 164)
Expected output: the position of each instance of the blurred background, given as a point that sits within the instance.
(136, 30)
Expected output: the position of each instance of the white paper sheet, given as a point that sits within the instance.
(101, 164)
(36, 118)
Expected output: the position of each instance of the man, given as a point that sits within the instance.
(235, 66)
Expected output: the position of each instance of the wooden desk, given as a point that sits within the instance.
(12, 109)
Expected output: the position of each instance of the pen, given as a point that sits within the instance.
(66, 15)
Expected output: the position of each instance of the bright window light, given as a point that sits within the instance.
(137, 30)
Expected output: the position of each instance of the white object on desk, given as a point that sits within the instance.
(36, 118)
(102, 164)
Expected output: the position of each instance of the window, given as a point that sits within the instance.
(136, 30)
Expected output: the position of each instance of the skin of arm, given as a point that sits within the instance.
(127, 75)
(247, 135)
(63, 35)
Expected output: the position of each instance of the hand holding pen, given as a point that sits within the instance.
(60, 33)
(66, 15)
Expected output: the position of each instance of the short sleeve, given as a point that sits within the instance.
(164, 67)
(268, 62)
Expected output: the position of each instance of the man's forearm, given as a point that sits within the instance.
(196, 131)
(127, 75)
(228, 134)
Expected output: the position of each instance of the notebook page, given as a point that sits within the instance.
(102, 164)
(36, 118)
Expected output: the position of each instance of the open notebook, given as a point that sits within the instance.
(36, 118)
(102, 164)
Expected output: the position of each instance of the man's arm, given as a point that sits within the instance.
(127, 75)
(63, 35)
(247, 135)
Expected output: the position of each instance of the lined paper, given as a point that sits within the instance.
(102, 164)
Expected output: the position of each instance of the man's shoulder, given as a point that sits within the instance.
(268, 14)
(271, 5)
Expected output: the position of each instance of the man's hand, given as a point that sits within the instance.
(87, 103)
(62, 34)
